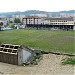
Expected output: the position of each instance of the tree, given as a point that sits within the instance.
(17, 20)
(1, 24)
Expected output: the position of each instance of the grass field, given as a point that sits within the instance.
(62, 41)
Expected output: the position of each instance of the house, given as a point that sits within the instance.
(15, 54)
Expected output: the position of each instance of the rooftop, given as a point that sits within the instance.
(31, 17)
(69, 19)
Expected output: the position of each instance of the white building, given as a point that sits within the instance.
(67, 15)
(59, 21)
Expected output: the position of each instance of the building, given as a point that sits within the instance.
(4, 21)
(40, 15)
(60, 23)
(31, 20)
(66, 15)
(20, 16)
(15, 54)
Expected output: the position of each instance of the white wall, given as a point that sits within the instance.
(26, 55)
(74, 28)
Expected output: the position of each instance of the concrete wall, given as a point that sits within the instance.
(26, 55)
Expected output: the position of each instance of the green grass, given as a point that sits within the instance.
(62, 41)
(70, 61)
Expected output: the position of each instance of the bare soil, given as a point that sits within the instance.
(50, 65)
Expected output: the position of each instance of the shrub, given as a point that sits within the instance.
(69, 61)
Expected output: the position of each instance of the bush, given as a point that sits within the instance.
(69, 61)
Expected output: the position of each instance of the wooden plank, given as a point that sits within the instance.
(15, 60)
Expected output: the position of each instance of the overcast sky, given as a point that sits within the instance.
(44, 5)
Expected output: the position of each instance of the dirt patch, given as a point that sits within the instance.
(50, 65)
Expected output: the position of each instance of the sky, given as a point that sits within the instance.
(43, 5)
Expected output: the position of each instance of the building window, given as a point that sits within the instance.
(29, 21)
(37, 21)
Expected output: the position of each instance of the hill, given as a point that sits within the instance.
(28, 12)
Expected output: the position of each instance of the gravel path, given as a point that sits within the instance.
(50, 65)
